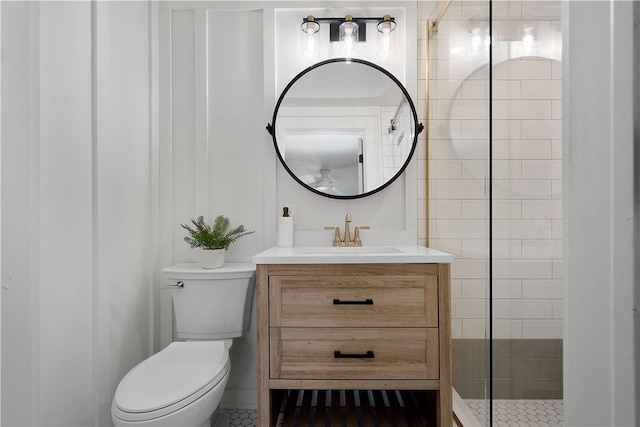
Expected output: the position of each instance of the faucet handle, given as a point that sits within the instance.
(336, 237)
(356, 234)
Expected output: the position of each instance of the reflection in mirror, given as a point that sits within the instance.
(345, 128)
(335, 167)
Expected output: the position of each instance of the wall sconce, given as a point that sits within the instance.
(349, 29)
(310, 30)
(309, 25)
(387, 25)
(348, 36)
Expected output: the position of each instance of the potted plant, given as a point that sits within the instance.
(213, 241)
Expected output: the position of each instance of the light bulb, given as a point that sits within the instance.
(348, 36)
(310, 29)
(309, 25)
(387, 25)
(348, 28)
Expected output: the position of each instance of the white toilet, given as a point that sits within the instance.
(183, 384)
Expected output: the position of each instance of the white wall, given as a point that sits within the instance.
(216, 156)
(72, 324)
(392, 213)
(76, 207)
(601, 378)
(212, 147)
(93, 192)
(123, 261)
(17, 383)
(0, 215)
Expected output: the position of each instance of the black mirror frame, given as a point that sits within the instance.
(271, 128)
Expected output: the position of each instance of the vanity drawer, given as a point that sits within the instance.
(353, 301)
(353, 353)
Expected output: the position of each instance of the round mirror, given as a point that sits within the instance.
(345, 128)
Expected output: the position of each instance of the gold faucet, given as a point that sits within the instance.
(346, 241)
(347, 233)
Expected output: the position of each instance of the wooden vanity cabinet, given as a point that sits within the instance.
(353, 326)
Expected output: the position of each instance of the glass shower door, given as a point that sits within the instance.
(495, 202)
(526, 191)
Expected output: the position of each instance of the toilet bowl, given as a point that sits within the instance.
(179, 386)
(183, 384)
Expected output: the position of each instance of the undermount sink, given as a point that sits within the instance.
(360, 250)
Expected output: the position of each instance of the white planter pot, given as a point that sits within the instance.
(210, 258)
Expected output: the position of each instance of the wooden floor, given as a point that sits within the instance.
(355, 408)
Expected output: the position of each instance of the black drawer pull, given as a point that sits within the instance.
(338, 355)
(337, 301)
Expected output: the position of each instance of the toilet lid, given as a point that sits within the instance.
(174, 374)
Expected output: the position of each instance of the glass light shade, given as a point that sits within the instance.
(349, 30)
(386, 25)
(386, 45)
(348, 37)
(309, 44)
(309, 25)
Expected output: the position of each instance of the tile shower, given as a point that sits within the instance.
(520, 171)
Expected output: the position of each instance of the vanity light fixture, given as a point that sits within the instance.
(385, 28)
(349, 36)
(387, 25)
(348, 26)
(310, 37)
(349, 30)
(309, 25)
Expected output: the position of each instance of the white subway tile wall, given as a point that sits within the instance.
(526, 167)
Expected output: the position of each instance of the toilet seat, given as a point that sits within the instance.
(170, 380)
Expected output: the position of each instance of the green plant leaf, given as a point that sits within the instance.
(201, 235)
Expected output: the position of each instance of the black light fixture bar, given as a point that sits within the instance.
(334, 25)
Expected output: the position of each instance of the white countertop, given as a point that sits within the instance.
(391, 254)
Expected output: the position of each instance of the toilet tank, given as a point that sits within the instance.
(211, 304)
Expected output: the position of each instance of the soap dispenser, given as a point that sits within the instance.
(285, 229)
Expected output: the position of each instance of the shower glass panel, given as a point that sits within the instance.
(495, 202)
(458, 167)
(527, 213)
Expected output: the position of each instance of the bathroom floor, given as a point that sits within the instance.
(507, 413)
(521, 413)
(235, 417)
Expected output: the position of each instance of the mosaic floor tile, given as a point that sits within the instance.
(238, 417)
(520, 413)
(507, 413)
